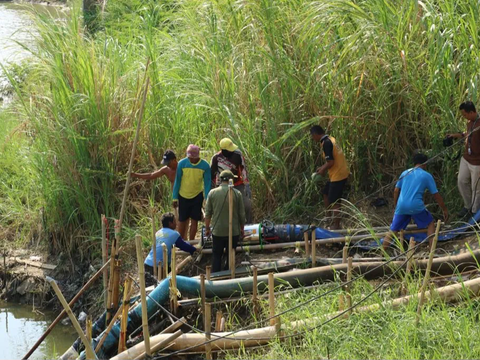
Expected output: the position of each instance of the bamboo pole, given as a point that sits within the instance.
(182, 264)
(160, 270)
(175, 326)
(208, 271)
(173, 282)
(255, 337)
(231, 251)
(154, 244)
(62, 314)
(141, 272)
(165, 259)
(208, 329)
(344, 254)
(271, 303)
(104, 259)
(307, 248)
(88, 329)
(202, 293)
(88, 346)
(314, 249)
(427, 274)
(122, 339)
(349, 278)
(218, 320)
(293, 244)
(161, 344)
(113, 251)
(116, 284)
(255, 291)
(134, 147)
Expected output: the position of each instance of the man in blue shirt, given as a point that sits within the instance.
(408, 200)
(168, 236)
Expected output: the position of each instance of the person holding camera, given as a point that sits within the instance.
(469, 171)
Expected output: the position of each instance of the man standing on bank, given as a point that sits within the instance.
(408, 200)
(230, 158)
(169, 169)
(217, 209)
(337, 167)
(469, 171)
(192, 179)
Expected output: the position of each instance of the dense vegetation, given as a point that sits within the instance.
(384, 77)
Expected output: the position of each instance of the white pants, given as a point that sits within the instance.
(469, 185)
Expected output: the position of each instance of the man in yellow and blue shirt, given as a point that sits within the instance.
(192, 185)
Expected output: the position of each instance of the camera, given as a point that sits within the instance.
(448, 141)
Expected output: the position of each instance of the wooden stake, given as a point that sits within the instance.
(349, 278)
(271, 302)
(62, 314)
(255, 290)
(345, 254)
(218, 320)
(165, 260)
(88, 346)
(154, 244)
(88, 329)
(231, 251)
(160, 270)
(141, 272)
(208, 329)
(208, 271)
(104, 259)
(427, 273)
(173, 289)
(307, 248)
(314, 249)
(122, 339)
(116, 284)
(202, 293)
(113, 251)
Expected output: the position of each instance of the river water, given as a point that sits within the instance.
(20, 327)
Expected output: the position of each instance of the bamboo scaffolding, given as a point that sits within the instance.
(255, 337)
(141, 272)
(88, 346)
(62, 314)
(122, 339)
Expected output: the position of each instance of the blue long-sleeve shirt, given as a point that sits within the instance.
(168, 237)
(192, 179)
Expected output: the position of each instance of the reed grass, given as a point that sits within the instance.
(384, 77)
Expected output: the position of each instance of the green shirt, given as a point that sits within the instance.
(217, 210)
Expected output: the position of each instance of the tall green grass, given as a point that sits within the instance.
(384, 77)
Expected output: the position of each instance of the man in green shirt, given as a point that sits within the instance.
(217, 209)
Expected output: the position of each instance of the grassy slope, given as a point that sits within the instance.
(384, 77)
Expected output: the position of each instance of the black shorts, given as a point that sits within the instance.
(190, 208)
(334, 190)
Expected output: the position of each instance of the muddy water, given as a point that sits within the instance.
(20, 327)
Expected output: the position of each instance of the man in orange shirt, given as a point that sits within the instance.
(337, 167)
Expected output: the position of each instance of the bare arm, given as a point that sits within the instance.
(323, 169)
(396, 194)
(438, 198)
(150, 176)
(456, 135)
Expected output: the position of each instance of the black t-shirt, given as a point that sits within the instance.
(327, 146)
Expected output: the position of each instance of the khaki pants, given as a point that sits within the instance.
(468, 185)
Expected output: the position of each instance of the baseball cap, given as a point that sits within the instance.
(227, 175)
(193, 151)
(168, 156)
(227, 144)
